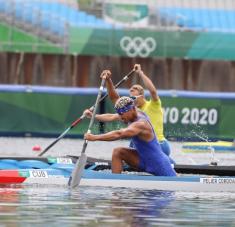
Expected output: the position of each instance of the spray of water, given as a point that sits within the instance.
(214, 161)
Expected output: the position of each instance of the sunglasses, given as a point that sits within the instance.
(133, 97)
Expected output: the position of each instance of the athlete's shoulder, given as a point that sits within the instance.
(142, 115)
(139, 125)
(152, 102)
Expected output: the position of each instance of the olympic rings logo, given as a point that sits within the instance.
(138, 46)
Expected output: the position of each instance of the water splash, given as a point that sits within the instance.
(213, 161)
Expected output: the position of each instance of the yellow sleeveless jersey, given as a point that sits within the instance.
(154, 111)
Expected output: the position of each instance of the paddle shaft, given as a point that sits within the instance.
(61, 136)
(98, 99)
(76, 175)
(125, 78)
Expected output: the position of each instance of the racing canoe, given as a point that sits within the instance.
(44, 162)
(98, 174)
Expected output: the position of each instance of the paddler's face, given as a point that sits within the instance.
(134, 92)
(139, 98)
(128, 116)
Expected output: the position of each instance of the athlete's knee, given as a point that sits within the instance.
(118, 152)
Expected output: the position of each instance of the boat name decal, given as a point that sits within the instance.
(38, 174)
(64, 161)
(211, 180)
(102, 163)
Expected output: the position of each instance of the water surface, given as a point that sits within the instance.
(113, 207)
(101, 206)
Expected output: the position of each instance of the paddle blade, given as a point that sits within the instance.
(76, 176)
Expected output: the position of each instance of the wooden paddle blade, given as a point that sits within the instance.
(76, 176)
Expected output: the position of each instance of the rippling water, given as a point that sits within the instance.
(89, 206)
(113, 207)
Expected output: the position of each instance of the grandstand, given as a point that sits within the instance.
(199, 19)
(55, 21)
(47, 19)
(191, 33)
(205, 16)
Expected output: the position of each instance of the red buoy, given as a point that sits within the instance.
(36, 148)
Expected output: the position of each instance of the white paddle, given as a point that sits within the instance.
(76, 175)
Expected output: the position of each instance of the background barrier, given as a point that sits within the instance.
(47, 111)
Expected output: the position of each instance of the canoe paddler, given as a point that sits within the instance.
(146, 154)
(152, 107)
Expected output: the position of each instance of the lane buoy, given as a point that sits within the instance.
(36, 148)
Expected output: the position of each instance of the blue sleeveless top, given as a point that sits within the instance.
(152, 159)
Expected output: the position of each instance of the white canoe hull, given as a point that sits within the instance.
(161, 185)
(97, 179)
